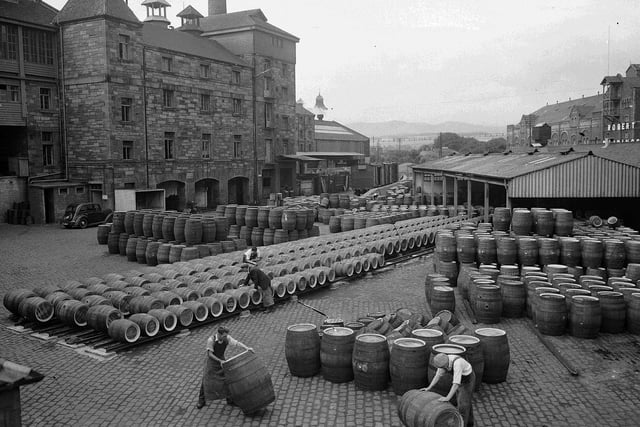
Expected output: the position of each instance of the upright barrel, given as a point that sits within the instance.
(249, 382)
(336, 349)
(371, 362)
(302, 350)
(585, 317)
(444, 385)
(497, 357)
(408, 364)
(474, 354)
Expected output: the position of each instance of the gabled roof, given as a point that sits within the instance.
(28, 11)
(561, 111)
(178, 41)
(617, 79)
(189, 12)
(627, 153)
(334, 131)
(303, 111)
(77, 10)
(252, 19)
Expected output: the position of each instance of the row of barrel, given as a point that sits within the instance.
(541, 221)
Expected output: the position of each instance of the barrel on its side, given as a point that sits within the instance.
(422, 408)
(249, 382)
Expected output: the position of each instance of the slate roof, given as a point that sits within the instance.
(246, 19)
(27, 11)
(334, 131)
(561, 111)
(75, 10)
(189, 12)
(177, 41)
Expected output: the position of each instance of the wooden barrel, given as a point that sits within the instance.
(336, 348)
(585, 317)
(613, 312)
(474, 354)
(138, 220)
(501, 219)
(148, 324)
(72, 312)
(371, 362)
(263, 216)
(514, 297)
(147, 224)
(446, 248)
(130, 250)
(128, 221)
(14, 297)
(230, 213)
(302, 350)
(249, 382)
(551, 314)
(563, 222)
(213, 305)
(280, 236)
(119, 300)
(268, 237)
(118, 222)
(122, 244)
(241, 213)
(151, 253)
(544, 223)
(257, 236)
(418, 408)
(124, 330)
(527, 251)
(486, 250)
(495, 350)
(614, 254)
(168, 320)
(506, 250)
(430, 337)
(570, 252)
(113, 240)
(444, 385)
(208, 230)
(103, 233)
(592, 253)
(99, 317)
(548, 251)
(199, 310)
(633, 313)
(222, 228)
(193, 231)
(184, 314)
(288, 219)
(443, 298)
(175, 252)
(251, 216)
(36, 309)
(144, 303)
(156, 226)
(140, 250)
(168, 224)
(92, 300)
(521, 222)
(466, 249)
(275, 218)
(408, 364)
(242, 296)
(488, 304)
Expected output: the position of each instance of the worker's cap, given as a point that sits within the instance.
(440, 360)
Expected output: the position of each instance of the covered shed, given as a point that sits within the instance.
(587, 179)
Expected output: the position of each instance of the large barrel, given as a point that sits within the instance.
(474, 354)
(497, 357)
(147, 224)
(138, 220)
(408, 364)
(544, 223)
(487, 250)
(168, 223)
(99, 317)
(241, 213)
(506, 250)
(614, 312)
(268, 236)
(257, 236)
(371, 362)
(570, 252)
(302, 350)
(193, 231)
(527, 251)
(521, 222)
(592, 253)
(124, 330)
(36, 309)
(563, 222)
(418, 408)
(488, 304)
(430, 337)
(72, 313)
(222, 228)
(514, 297)
(633, 313)
(585, 316)
(103, 233)
(156, 226)
(548, 251)
(288, 219)
(443, 298)
(249, 382)
(280, 236)
(614, 254)
(263, 216)
(446, 247)
(14, 297)
(551, 314)
(501, 219)
(275, 218)
(336, 348)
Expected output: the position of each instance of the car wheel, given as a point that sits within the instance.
(83, 223)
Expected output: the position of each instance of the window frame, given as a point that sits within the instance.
(205, 71)
(205, 145)
(169, 145)
(237, 146)
(126, 109)
(237, 106)
(168, 98)
(45, 98)
(8, 42)
(236, 77)
(46, 139)
(167, 64)
(127, 150)
(124, 41)
(205, 102)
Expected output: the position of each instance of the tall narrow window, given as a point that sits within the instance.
(47, 148)
(204, 70)
(123, 46)
(168, 98)
(236, 78)
(167, 63)
(285, 122)
(206, 145)
(127, 150)
(237, 106)
(205, 102)
(268, 151)
(285, 146)
(237, 146)
(45, 98)
(268, 115)
(125, 109)
(169, 138)
(285, 92)
(8, 42)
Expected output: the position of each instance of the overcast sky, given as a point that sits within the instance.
(477, 61)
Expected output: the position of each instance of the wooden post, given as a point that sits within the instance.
(455, 193)
(506, 196)
(433, 196)
(486, 202)
(469, 207)
(444, 190)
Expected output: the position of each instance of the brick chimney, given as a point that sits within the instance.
(217, 7)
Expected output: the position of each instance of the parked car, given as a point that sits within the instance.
(83, 215)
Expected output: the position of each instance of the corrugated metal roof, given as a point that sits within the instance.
(28, 12)
(75, 10)
(627, 153)
(334, 131)
(253, 19)
(178, 41)
(330, 154)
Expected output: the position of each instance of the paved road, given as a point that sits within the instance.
(157, 384)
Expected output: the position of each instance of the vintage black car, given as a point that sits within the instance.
(85, 214)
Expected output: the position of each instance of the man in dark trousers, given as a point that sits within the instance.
(213, 386)
(464, 380)
(262, 282)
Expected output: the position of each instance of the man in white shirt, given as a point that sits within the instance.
(252, 256)
(463, 383)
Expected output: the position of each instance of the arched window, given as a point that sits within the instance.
(564, 138)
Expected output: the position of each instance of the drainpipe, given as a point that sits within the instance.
(144, 114)
(63, 122)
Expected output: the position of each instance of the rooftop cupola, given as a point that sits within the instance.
(157, 12)
(190, 21)
(319, 109)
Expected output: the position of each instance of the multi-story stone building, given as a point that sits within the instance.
(620, 117)
(106, 102)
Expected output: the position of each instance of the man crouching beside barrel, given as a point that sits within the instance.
(463, 383)
(213, 384)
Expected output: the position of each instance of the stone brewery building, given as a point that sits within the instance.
(92, 101)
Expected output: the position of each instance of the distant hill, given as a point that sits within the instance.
(398, 128)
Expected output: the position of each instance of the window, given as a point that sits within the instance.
(8, 42)
(285, 69)
(38, 46)
(205, 102)
(236, 78)
(125, 109)
(129, 185)
(237, 146)
(237, 106)
(63, 191)
(45, 98)
(266, 65)
(285, 146)
(206, 145)
(168, 144)
(47, 148)
(204, 70)
(285, 92)
(268, 151)
(301, 146)
(285, 122)
(123, 46)
(167, 63)
(268, 115)
(268, 84)
(9, 93)
(79, 190)
(127, 150)
(168, 98)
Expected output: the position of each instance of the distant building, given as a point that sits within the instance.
(620, 113)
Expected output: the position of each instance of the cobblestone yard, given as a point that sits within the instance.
(157, 384)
